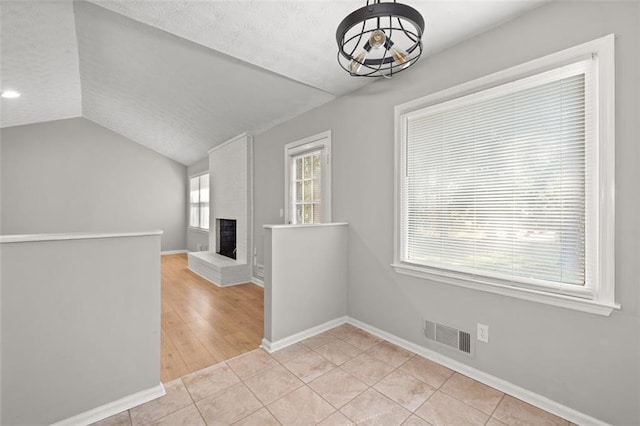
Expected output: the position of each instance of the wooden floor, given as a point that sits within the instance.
(203, 324)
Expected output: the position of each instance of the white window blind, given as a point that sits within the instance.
(199, 201)
(495, 184)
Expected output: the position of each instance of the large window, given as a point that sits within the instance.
(199, 202)
(308, 177)
(499, 189)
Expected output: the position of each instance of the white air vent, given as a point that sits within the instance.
(260, 271)
(452, 337)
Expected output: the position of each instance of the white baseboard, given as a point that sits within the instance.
(163, 253)
(113, 407)
(257, 281)
(495, 382)
(213, 282)
(295, 338)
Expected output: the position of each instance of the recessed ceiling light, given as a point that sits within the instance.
(10, 94)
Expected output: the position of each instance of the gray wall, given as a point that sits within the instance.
(584, 361)
(196, 236)
(78, 332)
(76, 176)
(310, 290)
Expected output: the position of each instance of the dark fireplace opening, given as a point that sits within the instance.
(226, 237)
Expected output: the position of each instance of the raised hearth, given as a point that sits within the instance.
(220, 270)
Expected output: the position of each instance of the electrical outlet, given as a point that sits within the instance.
(483, 333)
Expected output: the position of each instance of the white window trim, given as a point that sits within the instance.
(600, 299)
(311, 143)
(196, 228)
(202, 230)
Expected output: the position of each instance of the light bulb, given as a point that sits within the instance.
(356, 64)
(377, 39)
(400, 57)
(10, 94)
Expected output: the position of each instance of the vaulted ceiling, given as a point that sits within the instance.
(180, 77)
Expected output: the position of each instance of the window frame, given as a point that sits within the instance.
(320, 141)
(600, 297)
(198, 228)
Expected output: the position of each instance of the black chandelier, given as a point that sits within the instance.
(380, 39)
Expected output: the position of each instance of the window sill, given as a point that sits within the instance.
(560, 300)
(201, 230)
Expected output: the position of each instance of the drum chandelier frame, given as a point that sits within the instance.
(380, 39)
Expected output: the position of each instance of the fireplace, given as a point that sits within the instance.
(226, 237)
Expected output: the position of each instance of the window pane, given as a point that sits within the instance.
(317, 213)
(199, 201)
(299, 214)
(194, 196)
(308, 213)
(204, 188)
(306, 190)
(317, 190)
(317, 178)
(194, 215)
(298, 170)
(204, 215)
(498, 186)
(298, 195)
(316, 166)
(194, 190)
(306, 172)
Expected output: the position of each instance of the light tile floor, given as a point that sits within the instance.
(344, 376)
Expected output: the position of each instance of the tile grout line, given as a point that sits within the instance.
(261, 372)
(243, 380)
(334, 366)
(200, 413)
(278, 399)
(363, 351)
(461, 401)
(307, 384)
(399, 368)
(369, 387)
(338, 410)
(195, 403)
(310, 349)
(496, 407)
(240, 381)
(339, 366)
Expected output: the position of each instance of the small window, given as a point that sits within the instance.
(308, 177)
(500, 189)
(199, 202)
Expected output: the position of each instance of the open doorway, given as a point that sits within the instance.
(203, 324)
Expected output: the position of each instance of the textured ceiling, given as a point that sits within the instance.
(183, 76)
(292, 38)
(39, 58)
(176, 97)
(297, 38)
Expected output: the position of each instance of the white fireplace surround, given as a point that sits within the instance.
(230, 186)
